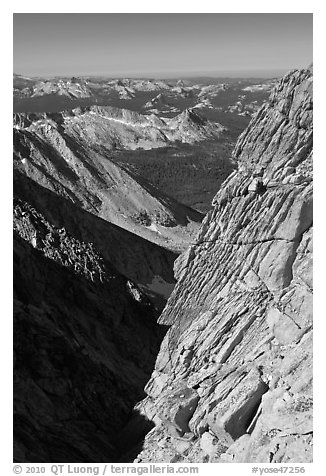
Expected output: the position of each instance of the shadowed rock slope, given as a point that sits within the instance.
(233, 378)
(85, 342)
(147, 264)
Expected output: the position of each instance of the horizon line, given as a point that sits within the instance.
(170, 75)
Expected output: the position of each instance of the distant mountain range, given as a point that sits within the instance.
(167, 97)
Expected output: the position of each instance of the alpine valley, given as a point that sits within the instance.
(162, 269)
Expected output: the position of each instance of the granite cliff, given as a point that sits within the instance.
(233, 378)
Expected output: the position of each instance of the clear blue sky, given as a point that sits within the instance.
(160, 44)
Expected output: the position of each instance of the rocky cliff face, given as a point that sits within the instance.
(233, 378)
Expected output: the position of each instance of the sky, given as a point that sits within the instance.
(160, 44)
